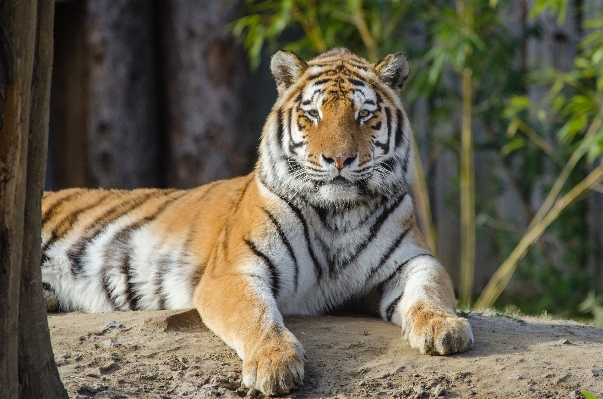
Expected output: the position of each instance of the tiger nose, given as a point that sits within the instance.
(340, 161)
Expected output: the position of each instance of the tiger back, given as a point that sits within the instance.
(324, 220)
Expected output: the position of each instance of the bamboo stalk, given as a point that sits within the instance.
(467, 184)
(421, 197)
(563, 176)
(501, 278)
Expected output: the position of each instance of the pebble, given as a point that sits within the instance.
(114, 324)
(597, 373)
(515, 377)
(438, 391)
(109, 343)
(107, 368)
(575, 394)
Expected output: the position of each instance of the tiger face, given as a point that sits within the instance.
(342, 137)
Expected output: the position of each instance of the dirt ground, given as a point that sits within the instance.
(170, 354)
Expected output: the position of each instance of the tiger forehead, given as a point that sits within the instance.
(336, 83)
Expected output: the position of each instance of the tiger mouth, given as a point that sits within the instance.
(339, 181)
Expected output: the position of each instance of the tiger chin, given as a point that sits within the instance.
(325, 219)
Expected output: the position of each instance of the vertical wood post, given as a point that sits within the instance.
(17, 38)
(27, 367)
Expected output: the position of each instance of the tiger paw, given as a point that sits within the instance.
(437, 332)
(275, 366)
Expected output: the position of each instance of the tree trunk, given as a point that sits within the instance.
(122, 124)
(204, 72)
(27, 368)
(69, 98)
(17, 38)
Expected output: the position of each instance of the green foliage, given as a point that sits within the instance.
(593, 305)
(369, 28)
(589, 395)
(572, 108)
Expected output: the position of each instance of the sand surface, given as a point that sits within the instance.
(170, 354)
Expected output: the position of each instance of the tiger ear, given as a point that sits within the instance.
(393, 70)
(286, 68)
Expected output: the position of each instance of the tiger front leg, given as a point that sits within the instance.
(242, 311)
(421, 300)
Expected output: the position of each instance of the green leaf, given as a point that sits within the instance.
(513, 145)
(588, 395)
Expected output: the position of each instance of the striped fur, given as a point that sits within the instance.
(324, 221)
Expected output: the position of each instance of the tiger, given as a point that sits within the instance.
(325, 221)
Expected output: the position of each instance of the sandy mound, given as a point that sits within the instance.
(167, 354)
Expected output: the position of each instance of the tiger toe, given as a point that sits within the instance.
(439, 333)
(275, 369)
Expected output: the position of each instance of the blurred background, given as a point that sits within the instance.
(505, 99)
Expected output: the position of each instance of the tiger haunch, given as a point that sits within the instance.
(325, 220)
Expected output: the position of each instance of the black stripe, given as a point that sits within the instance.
(405, 161)
(389, 313)
(288, 246)
(302, 220)
(374, 229)
(379, 100)
(107, 289)
(398, 269)
(356, 82)
(359, 66)
(121, 246)
(67, 222)
(389, 252)
(377, 126)
(233, 210)
(399, 127)
(389, 164)
(322, 213)
(279, 126)
(385, 146)
(237, 203)
(162, 269)
(49, 213)
(292, 144)
(320, 81)
(275, 283)
(76, 252)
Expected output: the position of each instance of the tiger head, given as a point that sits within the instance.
(337, 135)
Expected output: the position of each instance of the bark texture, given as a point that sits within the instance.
(122, 120)
(204, 74)
(69, 98)
(27, 367)
(17, 61)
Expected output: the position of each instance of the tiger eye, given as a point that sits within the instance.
(313, 113)
(363, 113)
